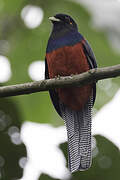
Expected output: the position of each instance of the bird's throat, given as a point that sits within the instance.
(59, 31)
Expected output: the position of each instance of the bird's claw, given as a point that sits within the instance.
(57, 77)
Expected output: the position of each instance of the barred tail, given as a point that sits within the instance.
(78, 126)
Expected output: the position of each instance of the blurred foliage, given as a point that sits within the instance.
(11, 147)
(28, 45)
(105, 165)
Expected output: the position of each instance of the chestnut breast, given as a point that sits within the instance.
(64, 62)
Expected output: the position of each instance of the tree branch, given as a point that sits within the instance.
(80, 80)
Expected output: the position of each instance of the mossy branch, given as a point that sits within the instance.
(80, 80)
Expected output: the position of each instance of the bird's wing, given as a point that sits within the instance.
(53, 93)
(89, 54)
(91, 61)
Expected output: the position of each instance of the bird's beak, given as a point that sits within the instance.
(54, 19)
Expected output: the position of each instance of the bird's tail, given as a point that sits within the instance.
(78, 126)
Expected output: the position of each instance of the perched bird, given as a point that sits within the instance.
(69, 53)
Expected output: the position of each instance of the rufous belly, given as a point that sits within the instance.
(66, 61)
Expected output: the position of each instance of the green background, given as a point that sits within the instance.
(28, 45)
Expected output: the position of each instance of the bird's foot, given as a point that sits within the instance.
(57, 77)
(72, 75)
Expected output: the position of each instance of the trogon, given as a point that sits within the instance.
(69, 53)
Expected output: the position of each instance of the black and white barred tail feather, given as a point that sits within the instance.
(78, 126)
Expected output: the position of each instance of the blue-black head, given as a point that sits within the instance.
(64, 32)
(63, 22)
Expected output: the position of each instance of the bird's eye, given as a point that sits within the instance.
(67, 19)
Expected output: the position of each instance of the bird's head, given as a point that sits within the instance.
(63, 21)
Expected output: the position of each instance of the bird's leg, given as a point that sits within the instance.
(73, 74)
(57, 77)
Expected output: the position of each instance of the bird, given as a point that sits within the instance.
(69, 53)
